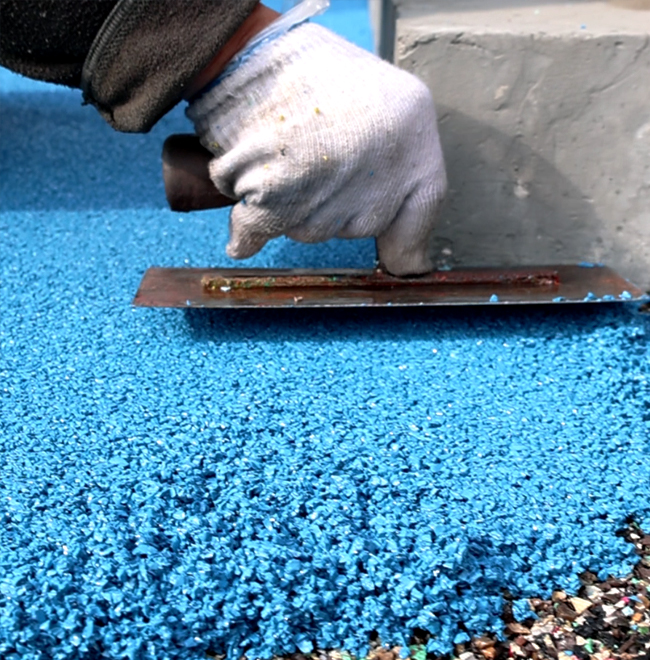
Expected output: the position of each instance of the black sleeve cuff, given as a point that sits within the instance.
(147, 51)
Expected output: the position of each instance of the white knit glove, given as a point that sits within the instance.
(318, 138)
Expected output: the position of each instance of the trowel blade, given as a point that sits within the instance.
(235, 288)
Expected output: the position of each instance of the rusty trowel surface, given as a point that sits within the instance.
(271, 288)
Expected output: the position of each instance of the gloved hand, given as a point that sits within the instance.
(318, 138)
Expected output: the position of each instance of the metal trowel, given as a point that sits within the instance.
(188, 188)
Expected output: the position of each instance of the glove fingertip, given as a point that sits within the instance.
(242, 247)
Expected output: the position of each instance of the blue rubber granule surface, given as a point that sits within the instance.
(178, 482)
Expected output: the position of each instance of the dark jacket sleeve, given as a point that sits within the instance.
(49, 39)
(131, 58)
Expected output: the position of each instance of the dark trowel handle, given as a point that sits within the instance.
(187, 179)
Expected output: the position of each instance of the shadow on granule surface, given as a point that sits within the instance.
(541, 322)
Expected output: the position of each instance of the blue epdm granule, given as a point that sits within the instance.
(174, 483)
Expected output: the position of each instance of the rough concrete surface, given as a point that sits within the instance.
(544, 113)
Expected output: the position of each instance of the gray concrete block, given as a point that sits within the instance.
(376, 16)
(544, 113)
(383, 16)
